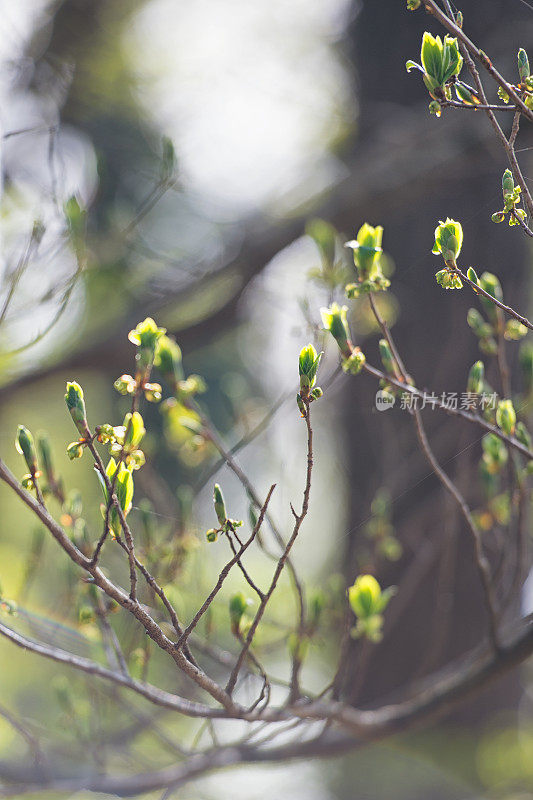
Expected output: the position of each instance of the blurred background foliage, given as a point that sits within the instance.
(277, 112)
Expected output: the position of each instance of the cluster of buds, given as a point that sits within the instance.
(121, 478)
(511, 198)
(308, 363)
(440, 65)
(483, 330)
(448, 243)
(368, 601)
(380, 529)
(367, 252)
(225, 524)
(127, 385)
(525, 87)
(487, 330)
(124, 440)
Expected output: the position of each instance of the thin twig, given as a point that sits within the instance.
(299, 518)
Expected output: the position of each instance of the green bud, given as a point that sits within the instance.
(466, 94)
(191, 386)
(494, 453)
(498, 216)
(435, 108)
(413, 5)
(211, 535)
(492, 286)
(135, 460)
(502, 94)
(76, 406)
(476, 378)
(386, 357)
(522, 434)
(514, 330)
(507, 183)
(308, 363)
(316, 394)
(334, 320)
(126, 384)
(27, 482)
(220, 506)
(124, 488)
(25, 446)
(168, 359)
(448, 280)
(45, 452)
(367, 251)
(488, 346)
(355, 362)
(448, 240)
(146, 334)
(523, 64)
(506, 417)
(471, 274)
(440, 59)
(475, 321)
(237, 607)
(365, 596)
(459, 19)
(74, 450)
(134, 430)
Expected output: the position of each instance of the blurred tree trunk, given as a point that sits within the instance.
(445, 615)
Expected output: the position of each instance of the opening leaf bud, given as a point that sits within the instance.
(76, 405)
(220, 506)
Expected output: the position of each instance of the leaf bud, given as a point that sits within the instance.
(76, 405)
(24, 445)
(220, 506)
(506, 417)
(476, 378)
